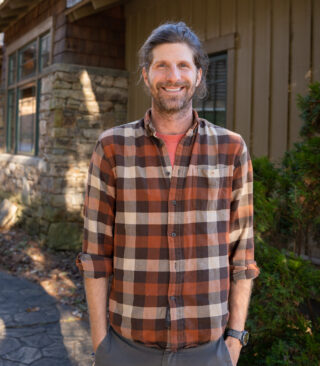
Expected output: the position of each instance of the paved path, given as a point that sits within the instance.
(36, 331)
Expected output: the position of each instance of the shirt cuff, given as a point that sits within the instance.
(248, 272)
(94, 266)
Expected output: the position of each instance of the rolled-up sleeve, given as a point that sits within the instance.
(96, 258)
(241, 253)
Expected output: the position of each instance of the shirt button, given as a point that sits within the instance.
(167, 173)
(174, 202)
(173, 234)
(172, 298)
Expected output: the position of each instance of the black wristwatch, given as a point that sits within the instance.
(242, 336)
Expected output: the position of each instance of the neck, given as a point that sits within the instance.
(172, 123)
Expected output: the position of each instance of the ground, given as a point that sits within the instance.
(23, 256)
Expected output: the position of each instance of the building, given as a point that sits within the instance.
(69, 70)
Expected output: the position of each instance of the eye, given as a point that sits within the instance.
(184, 65)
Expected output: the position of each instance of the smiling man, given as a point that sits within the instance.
(168, 238)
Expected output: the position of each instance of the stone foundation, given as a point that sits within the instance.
(76, 105)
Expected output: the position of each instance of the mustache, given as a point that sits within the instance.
(175, 85)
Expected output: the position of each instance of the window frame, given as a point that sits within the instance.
(226, 44)
(15, 48)
(203, 111)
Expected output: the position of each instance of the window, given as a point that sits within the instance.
(214, 106)
(25, 66)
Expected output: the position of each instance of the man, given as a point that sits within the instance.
(168, 213)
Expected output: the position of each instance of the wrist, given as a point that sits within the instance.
(241, 336)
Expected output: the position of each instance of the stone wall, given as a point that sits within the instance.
(76, 105)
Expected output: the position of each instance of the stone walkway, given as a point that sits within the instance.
(35, 330)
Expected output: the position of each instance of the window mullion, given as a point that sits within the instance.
(16, 117)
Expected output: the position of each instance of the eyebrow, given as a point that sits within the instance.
(179, 62)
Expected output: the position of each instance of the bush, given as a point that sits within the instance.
(284, 317)
(287, 199)
(266, 186)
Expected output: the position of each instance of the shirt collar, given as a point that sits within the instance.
(151, 131)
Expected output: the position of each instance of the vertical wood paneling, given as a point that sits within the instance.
(300, 78)
(199, 18)
(137, 92)
(184, 11)
(316, 41)
(129, 43)
(142, 99)
(279, 78)
(228, 16)
(172, 11)
(130, 61)
(243, 70)
(212, 19)
(161, 13)
(261, 83)
(264, 63)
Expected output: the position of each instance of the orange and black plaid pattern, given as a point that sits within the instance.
(172, 238)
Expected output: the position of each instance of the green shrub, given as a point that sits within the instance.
(284, 315)
(287, 199)
(302, 173)
(283, 322)
(266, 203)
(309, 106)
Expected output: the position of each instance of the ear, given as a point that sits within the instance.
(145, 76)
(199, 77)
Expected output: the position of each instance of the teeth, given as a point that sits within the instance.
(172, 90)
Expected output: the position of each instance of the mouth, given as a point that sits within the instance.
(173, 90)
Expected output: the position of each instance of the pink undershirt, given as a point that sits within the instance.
(171, 142)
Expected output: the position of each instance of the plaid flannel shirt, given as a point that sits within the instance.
(172, 237)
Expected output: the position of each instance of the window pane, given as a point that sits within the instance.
(27, 60)
(213, 107)
(12, 69)
(26, 119)
(44, 51)
(71, 3)
(10, 121)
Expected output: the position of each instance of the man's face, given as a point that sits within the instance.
(172, 77)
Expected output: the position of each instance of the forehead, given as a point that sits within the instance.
(172, 52)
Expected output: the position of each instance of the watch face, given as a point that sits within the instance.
(245, 338)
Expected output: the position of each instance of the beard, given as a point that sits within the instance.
(170, 104)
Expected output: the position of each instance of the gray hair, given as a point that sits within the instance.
(176, 33)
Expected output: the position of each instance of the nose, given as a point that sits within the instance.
(173, 74)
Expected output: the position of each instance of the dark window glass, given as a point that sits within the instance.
(11, 120)
(22, 117)
(27, 60)
(214, 106)
(12, 69)
(44, 51)
(26, 120)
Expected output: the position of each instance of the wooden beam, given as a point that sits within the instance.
(97, 4)
(220, 44)
(82, 12)
(16, 4)
(9, 13)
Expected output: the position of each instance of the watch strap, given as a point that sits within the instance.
(243, 336)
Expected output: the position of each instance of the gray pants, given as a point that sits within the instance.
(116, 350)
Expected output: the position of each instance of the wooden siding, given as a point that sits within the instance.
(97, 40)
(277, 54)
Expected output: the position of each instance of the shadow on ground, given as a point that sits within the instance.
(36, 331)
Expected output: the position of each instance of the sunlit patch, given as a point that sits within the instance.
(36, 255)
(58, 285)
(90, 99)
(2, 330)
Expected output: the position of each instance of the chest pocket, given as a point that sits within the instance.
(206, 177)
